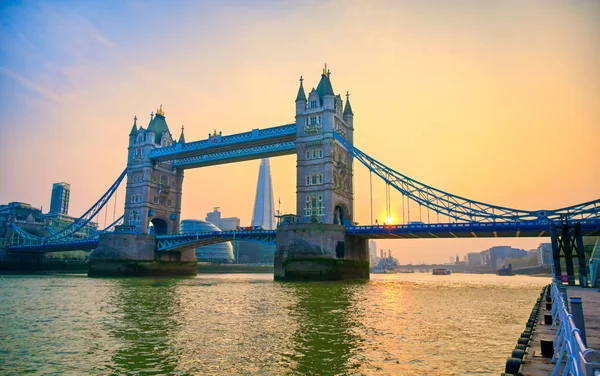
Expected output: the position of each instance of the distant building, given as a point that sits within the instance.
(58, 222)
(214, 253)
(373, 251)
(59, 201)
(473, 259)
(496, 257)
(20, 211)
(34, 222)
(544, 253)
(225, 224)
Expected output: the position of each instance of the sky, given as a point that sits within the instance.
(497, 101)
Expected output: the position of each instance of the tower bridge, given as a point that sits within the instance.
(322, 241)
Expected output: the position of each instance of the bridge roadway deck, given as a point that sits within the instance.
(464, 230)
(534, 364)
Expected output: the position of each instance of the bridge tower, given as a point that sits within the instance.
(324, 182)
(317, 246)
(153, 193)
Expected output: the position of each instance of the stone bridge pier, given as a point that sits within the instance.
(318, 251)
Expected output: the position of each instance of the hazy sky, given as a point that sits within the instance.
(498, 101)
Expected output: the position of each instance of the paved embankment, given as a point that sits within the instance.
(540, 331)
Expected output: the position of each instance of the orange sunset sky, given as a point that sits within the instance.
(497, 101)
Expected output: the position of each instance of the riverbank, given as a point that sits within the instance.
(70, 266)
(82, 267)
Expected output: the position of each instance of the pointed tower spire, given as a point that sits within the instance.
(301, 95)
(348, 108)
(134, 128)
(181, 137)
(324, 88)
(264, 213)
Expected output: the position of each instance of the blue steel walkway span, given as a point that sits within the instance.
(219, 149)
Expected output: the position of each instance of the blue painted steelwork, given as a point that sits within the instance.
(520, 229)
(173, 243)
(164, 243)
(60, 246)
(461, 209)
(237, 155)
(216, 143)
(23, 237)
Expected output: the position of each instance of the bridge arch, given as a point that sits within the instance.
(161, 227)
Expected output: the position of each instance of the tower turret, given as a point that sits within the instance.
(300, 99)
(349, 118)
(181, 137)
(134, 131)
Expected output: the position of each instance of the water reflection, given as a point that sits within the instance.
(325, 340)
(144, 321)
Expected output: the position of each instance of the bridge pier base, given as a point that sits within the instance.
(122, 254)
(319, 252)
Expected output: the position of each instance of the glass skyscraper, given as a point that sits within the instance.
(264, 213)
(59, 202)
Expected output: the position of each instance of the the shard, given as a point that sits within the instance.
(264, 213)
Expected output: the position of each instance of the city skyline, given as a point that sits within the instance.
(487, 115)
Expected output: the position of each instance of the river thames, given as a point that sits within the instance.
(401, 324)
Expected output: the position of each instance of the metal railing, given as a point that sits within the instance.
(581, 360)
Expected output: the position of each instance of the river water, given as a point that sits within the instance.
(402, 324)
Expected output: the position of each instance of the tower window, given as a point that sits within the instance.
(313, 104)
(308, 155)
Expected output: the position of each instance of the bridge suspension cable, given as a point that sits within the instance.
(461, 209)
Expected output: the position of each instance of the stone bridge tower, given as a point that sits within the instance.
(324, 182)
(153, 193)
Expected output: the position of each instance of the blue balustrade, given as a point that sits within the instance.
(581, 361)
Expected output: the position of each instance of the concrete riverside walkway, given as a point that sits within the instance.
(534, 364)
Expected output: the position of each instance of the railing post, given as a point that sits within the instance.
(577, 312)
(563, 292)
